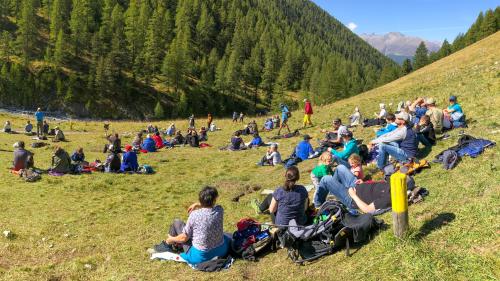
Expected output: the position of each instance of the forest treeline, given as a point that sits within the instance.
(124, 58)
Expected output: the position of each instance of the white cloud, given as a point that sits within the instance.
(352, 26)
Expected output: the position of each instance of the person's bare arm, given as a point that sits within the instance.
(365, 208)
(179, 239)
(273, 207)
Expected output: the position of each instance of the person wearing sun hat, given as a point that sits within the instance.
(435, 114)
(402, 143)
(129, 160)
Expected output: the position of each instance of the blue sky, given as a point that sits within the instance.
(429, 19)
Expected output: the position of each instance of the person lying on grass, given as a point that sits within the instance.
(272, 157)
(342, 184)
(288, 202)
(201, 238)
(23, 159)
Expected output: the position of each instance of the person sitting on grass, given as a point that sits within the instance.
(268, 125)
(355, 118)
(425, 132)
(113, 161)
(28, 128)
(455, 113)
(435, 114)
(202, 236)
(129, 160)
(45, 128)
(203, 134)
(401, 143)
(58, 135)
(357, 167)
(350, 147)
(342, 184)
(149, 144)
(272, 157)
(170, 130)
(276, 121)
(158, 140)
(418, 108)
(302, 152)
(256, 141)
(288, 202)
(23, 159)
(61, 162)
(7, 127)
(178, 139)
(237, 142)
(137, 142)
(391, 125)
(78, 157)
(322, 169)
(333, 137)
(382, 114)
(192, 138)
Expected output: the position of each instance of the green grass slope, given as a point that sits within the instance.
(107, 221)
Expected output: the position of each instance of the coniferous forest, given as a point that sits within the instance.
(171, 58)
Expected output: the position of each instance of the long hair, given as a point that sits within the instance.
(292, 175)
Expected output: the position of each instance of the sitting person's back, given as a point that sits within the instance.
(61, 162)
(256, 141)
(129, 162)
(158, 140)
(149, 144)
(59, 135)
(304, 148)
(290, 200)
(137, 142)
(29, 127)
(23, 159)
(78, 156)
(7, 128)
(236, 141)
(113, 163)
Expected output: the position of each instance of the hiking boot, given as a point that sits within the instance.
(256, 206)
(163, 247)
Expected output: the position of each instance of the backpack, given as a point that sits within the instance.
(333, 229)
(288, 114)
(30, 175)
(146, 169)
(250, 241)
(364, 153)
(38, 144)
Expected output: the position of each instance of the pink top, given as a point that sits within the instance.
(358, 169)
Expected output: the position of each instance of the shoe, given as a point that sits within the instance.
(256, 206)
(163, 247)
(446, 136)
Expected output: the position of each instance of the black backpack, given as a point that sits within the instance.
(364, 152)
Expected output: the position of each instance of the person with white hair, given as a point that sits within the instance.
(272, 157)
(383, 113)
(355, 118)
(308, 112)
(23, 159)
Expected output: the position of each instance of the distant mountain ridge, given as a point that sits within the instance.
(398, 46)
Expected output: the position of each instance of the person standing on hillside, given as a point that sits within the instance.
(285, 114)
(308, 111)
(242, 117)
(235, 117)
(39, 122)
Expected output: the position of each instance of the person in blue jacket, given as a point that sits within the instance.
(350, 147)
(149, 144)
(391, 125)
(285, 114)
(129, 160)
(302, 152)
(256, 141)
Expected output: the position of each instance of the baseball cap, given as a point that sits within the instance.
(128, 147)
(403, 116)
(453, 98)
(307, 137)
(346, 134)
(430, 101)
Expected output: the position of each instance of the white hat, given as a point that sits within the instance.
(403, 116)
(382, 105)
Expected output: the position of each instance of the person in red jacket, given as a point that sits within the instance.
(308, 111)
(158, 140)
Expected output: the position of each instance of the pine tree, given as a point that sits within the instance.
(79, 25)
(27, 32)
(118, 51)
(155, 42)
(59, 16)
(474, 32)
(489, 25)
(134, 33)
(159, 112)
(459, 42)
(5, 45)
(205, 30)
(177, 63)
(445, 49)
(421, 56)
(407, 67)
(60, 48)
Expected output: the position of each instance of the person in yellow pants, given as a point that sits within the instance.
(308, 111)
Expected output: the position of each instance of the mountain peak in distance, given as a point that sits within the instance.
(398, 44)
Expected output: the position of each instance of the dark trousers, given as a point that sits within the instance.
(264, 206)
(39, 128)
(176, 229)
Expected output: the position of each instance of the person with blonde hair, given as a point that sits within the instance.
(323, 168)
(356, 167)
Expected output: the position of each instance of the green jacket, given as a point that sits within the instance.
(61, 162)
(349, 148)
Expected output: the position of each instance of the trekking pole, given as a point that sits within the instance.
(399, 204)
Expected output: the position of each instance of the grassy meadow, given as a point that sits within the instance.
(98, 226)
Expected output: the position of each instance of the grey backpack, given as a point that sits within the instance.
(450, 159)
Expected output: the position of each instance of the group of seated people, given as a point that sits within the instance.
(272, 123)
(28, 127)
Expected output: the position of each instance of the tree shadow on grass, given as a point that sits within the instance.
(434, 224)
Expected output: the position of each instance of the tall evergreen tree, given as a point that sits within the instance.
(60, 48)
(421, 58)
(407, 68)
(80, 23)
(177, 63)
(27, 32)
(489, 25)
(59, 16)
(445, 50)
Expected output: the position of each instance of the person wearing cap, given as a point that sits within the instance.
(272, 157)
(333, 138)
(58, 135)
(285, 114)
(350, 147)
(39, 122)
(308, 111)
(129, 160)
(303, 151)
(435, 114)
(455, 113)
(401, 143)
(23, 159)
